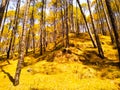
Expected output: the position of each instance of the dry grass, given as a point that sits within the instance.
(81, 69)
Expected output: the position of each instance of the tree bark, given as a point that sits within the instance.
(108, 23)
(22, 45)
(89, 31)
(67, 30)
(116, 32)
(100, 50)
(2, 9)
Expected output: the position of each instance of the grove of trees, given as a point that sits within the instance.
(30, 25)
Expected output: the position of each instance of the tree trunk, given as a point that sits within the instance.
(12, 40)
(89, 31)
(116, 32)
(71, 16)
(3, 21)
(108, 23)
(100, 17)
(41, 29)
(44, 32)
(67, 31)
(63, 26)
(32, 23)
(2, 9)
(55, 24)
(101, 53)
(22, 45)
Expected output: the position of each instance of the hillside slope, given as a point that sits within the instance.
(78, 68)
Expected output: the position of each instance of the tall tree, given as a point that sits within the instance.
(31, 30)
(14, 31)
(62, 16)
(71, 16)
(4, 19)
(55, 24)
(22, 45)
(41, 28)
(89, 31)
(116, 32)
(100, 50)
(108, 22)
(67, 30)
(100, 16)
(2, 9)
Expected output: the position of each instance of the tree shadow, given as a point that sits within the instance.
(92, 59)
(3, 65)
(8, 74)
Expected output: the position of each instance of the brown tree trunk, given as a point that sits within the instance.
(63, 26)
(89, 31)
(2, 23)
(71, 16)
(100, 17)
(116, 32)
(2, 9)
(44, 32)
(12, 40)
(108, 23)
(67, 30)
(55, 24)
(100, 50)
(41, 28)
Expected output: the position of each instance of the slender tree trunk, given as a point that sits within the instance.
(3, 22)
(108, 23)
(41, 29)
(89, 31)
(31, 31)
(28, 40)
(100, 50)
(44, 33)
(63, 26)
(15, 27)
(100, 17)
(22, 45)
(67, 31)
(116, 32)
(2, 9)
(71, 16)
(32, 23)
(55, 24)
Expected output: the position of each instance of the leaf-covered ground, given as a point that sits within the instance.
(76, 68)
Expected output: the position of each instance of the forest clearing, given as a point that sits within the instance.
(59, 45)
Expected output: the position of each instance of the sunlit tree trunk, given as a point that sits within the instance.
(3, 19)
(22, 45)
(89, 32)
(12, 40)
(100, 50)
(31, 31)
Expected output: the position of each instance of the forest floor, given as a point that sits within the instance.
(78, 68)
